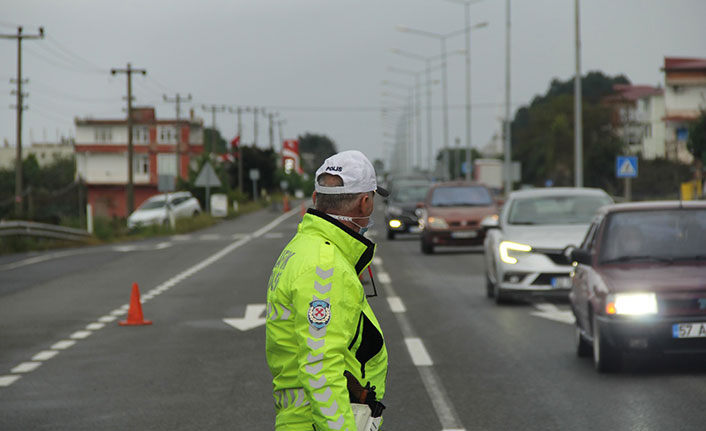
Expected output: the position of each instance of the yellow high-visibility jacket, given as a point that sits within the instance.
(319, 324)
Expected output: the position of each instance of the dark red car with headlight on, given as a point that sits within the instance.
(640, 282)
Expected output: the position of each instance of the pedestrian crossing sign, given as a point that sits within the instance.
(626, 167)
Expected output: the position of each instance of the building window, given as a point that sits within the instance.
(682, 133)
(140, 135)
(103, 134)
(166, 164)
(167, 135)
(141, 164)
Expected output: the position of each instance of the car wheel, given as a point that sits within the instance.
(606, 358)
(427, 247)
(390, 234)
(500, 296)
(583, 347)
(489, 287)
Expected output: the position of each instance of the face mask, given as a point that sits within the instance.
(363, 229)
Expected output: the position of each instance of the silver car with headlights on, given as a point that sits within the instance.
(525, 247)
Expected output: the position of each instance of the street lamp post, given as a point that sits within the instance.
(417, 109)
(578, 120)
(410, 91)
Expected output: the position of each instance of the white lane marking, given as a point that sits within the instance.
(45, 355)
(273, 235)
(210, 237)
(8, 380)
(44, 258)
(80, 335)
(384, 277)
(377, 261)
(240, 235)
(64, 344)
(180, 237)
(251, 320)
(107, 319)
(162, 245)
(26, 367)
(396, 304)
(95, 326)
(552, 312)
(125, 248)
(432, 383)
(419, 354)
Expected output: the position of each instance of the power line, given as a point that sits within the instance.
(56, 63)
(74, 55)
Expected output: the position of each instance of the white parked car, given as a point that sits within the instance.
(525, 246)
(154, 211)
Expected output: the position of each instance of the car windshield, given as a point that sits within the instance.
(461, 196)
(657, 235)
(555, 209)
(151, 205)
(410, 193)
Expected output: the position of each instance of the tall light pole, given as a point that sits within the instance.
(410, 98)
(578, 126)
(417, 108)
(467, 9)
(508, 156)
(442, 38)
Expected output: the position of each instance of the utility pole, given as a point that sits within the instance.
(508, 157)
(177, 100)
(271, 117)
(20, 107)
(578, 120)
(213, 109)
(238, 112)
(255, 130)
(130, 193)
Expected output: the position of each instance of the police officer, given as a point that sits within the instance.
(319, 323)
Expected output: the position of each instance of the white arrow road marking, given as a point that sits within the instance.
(551, 312)
(251, 320)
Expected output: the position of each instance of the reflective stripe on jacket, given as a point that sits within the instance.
(319, 324)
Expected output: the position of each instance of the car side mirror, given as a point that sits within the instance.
(581, 255)
(490, 222)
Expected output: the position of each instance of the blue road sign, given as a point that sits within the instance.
(626, 167)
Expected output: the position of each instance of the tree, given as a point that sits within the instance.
(696, 144)
(543, 134)
(314, 149)
(213, 142)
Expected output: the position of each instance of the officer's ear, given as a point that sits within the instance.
(313, 198)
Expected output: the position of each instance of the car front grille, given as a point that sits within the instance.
(460, 223)
(682, 306)
(546, 278)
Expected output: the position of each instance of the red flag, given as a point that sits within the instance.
(235, 142)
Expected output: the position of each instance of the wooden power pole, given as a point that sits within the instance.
(20, 107)
(129, 71)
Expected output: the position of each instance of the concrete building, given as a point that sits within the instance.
(684, 98)
(101, 156)
(637, 118)
(45, 152)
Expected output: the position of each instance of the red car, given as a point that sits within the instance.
(640, 282)
(452, 214)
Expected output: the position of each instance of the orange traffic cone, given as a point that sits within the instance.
(134, 314)
(285, 203)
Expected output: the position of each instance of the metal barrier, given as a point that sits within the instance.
(42, 230)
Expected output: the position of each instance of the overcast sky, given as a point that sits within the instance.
(294, 56)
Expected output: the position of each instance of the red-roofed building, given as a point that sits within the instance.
(101, 156)
(684, 97)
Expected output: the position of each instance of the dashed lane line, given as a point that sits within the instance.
(41, 357)
(445, 411)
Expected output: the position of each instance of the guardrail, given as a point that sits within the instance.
(42, 230)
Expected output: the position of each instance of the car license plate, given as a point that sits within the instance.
(464, 234)
(561, 282)
(689, 330)
(414, 229)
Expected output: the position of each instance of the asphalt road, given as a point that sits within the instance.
(457, 361)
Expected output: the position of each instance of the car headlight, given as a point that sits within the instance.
(394, 223)
(437, 223)
(631, 304)
(394, 210)
(507, 246)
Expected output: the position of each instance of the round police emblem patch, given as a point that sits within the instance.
(319, 313)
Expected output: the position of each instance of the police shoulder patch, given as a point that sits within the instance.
(319, 313)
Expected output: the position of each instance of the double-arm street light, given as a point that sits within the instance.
(441, 37)
(410, 98)
(417, 109)
(428, 61)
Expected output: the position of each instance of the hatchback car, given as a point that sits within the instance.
(452, 213)
(640, 282)
(155, 211)
(400, 211)
(524, 247)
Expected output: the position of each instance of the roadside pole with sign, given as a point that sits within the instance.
(165, 184)
(626, 167)
(254, 176)
(207, 178)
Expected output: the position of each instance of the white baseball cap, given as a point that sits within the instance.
(355, 170)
